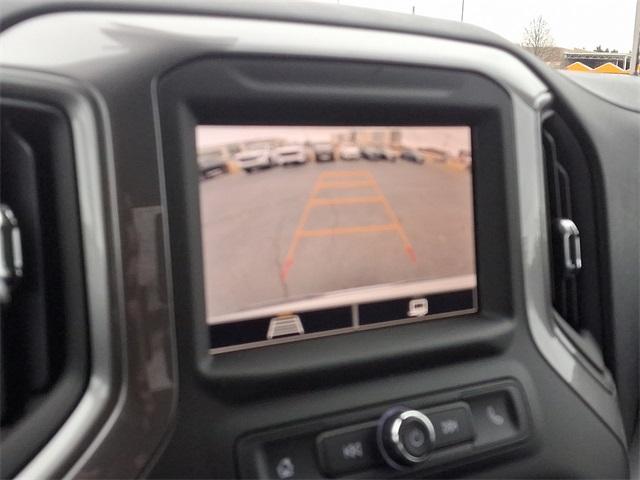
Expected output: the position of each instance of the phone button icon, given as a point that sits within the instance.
(494, 417)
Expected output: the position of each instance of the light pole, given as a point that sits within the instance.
(462, 14)
(635, 47)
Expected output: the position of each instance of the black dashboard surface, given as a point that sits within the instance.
(144, 103)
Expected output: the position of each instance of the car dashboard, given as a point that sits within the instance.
(477, 320)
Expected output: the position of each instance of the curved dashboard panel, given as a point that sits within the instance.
(152, 79)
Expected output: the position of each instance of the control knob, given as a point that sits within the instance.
(405, 437)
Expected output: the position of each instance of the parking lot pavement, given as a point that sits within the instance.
(287, 233)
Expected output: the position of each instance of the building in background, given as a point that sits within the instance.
(595, 59)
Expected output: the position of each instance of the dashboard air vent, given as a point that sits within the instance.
(565, 236)
(43, 333)
(575, 272)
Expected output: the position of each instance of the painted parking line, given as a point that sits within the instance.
(327, 232)
(394, 218)
(324, 185)
(345, 173)
(345, 179)
(346, 200)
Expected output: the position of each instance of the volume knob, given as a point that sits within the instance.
(405, 437)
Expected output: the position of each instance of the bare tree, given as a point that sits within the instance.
(538, 39)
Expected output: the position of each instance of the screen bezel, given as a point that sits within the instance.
(241, 87)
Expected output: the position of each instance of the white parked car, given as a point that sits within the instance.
(349, 152)
(289, 155)
(323, 152)
(251, 160)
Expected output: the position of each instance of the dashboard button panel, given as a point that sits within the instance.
(410, 435)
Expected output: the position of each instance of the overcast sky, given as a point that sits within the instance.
(574, 23)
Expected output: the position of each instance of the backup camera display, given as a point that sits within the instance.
(312, 231)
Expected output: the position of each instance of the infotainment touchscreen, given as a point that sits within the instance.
(311, 231)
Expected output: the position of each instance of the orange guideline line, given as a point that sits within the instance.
(344, 173)
(394, 218)
(288, 260)
(339, 180)
(318, 201)
(326, 232)
(324, 185)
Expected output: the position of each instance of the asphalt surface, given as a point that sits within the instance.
(280, 234)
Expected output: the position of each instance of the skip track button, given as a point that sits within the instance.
(348, 449)
(452, 425)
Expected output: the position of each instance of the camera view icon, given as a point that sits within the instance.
(285, 326)
(418, 307)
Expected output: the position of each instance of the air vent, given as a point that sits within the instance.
(575, 273)
(43, 327)
(564, 234)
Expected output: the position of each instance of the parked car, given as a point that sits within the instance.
(251, 160)
(213, 170)
(289, 155)
(391, 154)
(212, 163)
(412, 156)
(376, 153)
(349, 152)
(323, 152)
(434, 155)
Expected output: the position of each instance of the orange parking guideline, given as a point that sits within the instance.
(344, 184)
(344, 173)
(326, 232)
(344, 179)
(345, 200)
(403, 235)
(288, 260)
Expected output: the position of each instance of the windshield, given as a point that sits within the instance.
(579, 35)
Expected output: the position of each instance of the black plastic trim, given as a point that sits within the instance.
(577, 105)
(47, 130)
(230, 90)
(251, 455)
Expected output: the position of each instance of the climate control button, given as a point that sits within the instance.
(405, 437)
